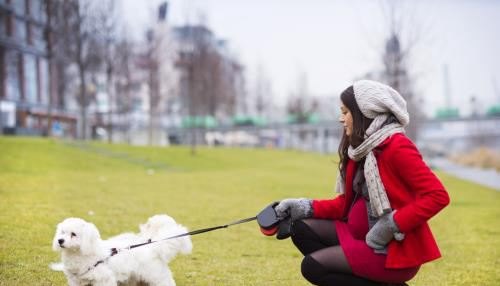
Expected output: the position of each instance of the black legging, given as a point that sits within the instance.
(324, 262)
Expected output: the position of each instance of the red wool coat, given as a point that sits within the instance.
(413, 190)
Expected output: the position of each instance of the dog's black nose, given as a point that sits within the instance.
(61, 241)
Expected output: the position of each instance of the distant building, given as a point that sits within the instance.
(184, 38)
(218, 64)
(24, 72)
(154, 90)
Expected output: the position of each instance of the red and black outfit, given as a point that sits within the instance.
(413, 191)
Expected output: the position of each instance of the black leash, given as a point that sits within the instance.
(194, 232)
(115, 251)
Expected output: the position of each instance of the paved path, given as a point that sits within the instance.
(485, 177)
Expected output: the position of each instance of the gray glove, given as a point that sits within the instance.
(295, 208)
(383, 232)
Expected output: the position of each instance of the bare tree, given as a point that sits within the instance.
(212, 79)
(241, 105)
(124, 82)
(262, 92)
(300, 106)
(221, 81)
(402, 38)
(201, 76)
(83, 48)
(81, 43)
(152, 65)
(59, 59)
(197, 57)
(52, 24)
(232, 87)
(108, 24)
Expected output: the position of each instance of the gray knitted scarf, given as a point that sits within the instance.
(377, 134)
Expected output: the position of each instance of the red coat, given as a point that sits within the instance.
(413, 190)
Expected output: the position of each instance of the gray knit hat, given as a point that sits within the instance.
(375, 98)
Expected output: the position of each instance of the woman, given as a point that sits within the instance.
(375, 232)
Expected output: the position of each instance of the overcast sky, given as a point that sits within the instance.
(336, 41)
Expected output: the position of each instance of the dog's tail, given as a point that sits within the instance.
(185, 244)
(159, 227)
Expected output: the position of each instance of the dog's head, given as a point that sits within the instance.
(76, 235)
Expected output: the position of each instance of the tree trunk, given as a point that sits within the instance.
(193, 141)
(151, 107)
(83, 103)
(110, 100)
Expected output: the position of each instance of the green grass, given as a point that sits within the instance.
(118, 187)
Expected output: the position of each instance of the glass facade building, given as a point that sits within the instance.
(24, 67)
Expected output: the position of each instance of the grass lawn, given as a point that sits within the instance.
(118, 187)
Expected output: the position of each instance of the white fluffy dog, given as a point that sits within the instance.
(81, 250)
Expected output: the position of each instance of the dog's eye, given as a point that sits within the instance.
(73, 234)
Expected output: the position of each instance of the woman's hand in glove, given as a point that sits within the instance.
(296, 208)
(383, 232)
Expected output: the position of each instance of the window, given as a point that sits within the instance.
(37, 10)
(37, 37)
(10, 25)
(13, 81)
(19, 6)
(29, 33)
(20, 30)
(7, 23)
(30, 78)
(3, 23)
(43, 73)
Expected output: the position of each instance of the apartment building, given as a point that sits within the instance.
(27, 105)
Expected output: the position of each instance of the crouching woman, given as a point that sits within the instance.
(375, 232)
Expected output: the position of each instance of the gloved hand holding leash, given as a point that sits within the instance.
(295, 208)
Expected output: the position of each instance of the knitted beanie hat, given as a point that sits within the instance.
(375, 98)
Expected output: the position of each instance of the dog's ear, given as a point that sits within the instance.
(55, 243)
(89, 240)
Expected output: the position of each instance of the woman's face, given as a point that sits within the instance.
(346, 119)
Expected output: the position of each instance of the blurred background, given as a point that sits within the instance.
(249, 73)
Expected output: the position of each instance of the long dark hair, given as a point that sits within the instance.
(359, 125)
